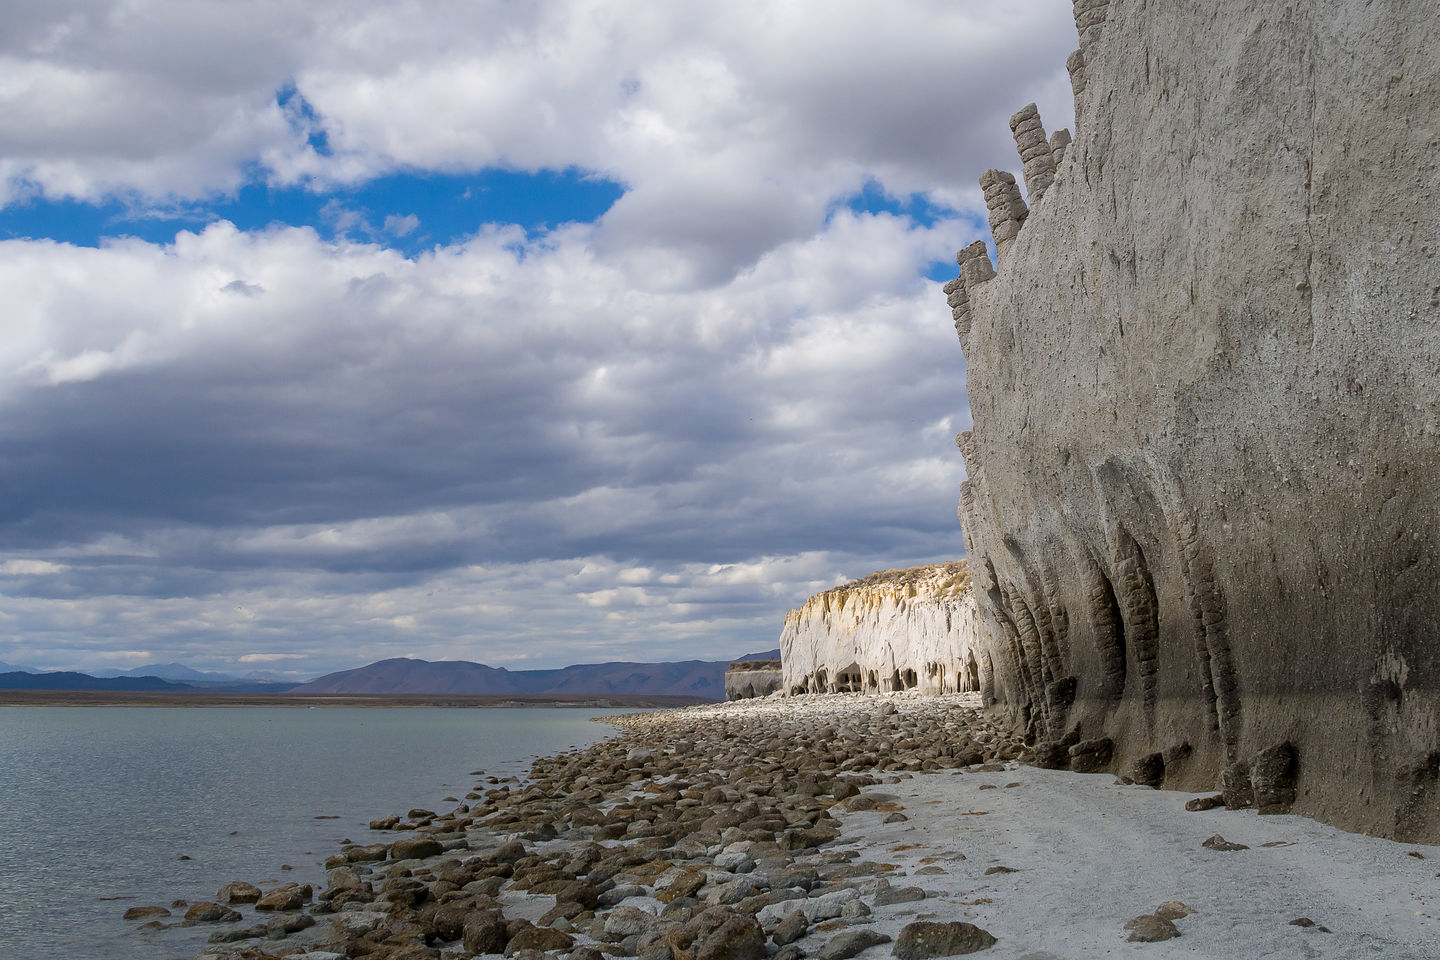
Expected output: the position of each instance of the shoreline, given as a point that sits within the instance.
(839, 826)
(144, 698)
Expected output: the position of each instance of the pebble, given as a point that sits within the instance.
(1218, 842)
(1199, 804)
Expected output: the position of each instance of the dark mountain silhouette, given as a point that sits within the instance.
(696, 678)
(82, 681)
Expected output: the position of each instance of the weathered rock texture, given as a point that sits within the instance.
(752, 678)
(1201, 508)
(910, 629)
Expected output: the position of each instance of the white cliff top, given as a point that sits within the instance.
(949, 579)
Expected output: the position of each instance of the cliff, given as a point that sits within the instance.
(1200, 502)
(752, 678)
(894, 630)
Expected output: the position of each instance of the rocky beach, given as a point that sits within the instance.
(834, 826)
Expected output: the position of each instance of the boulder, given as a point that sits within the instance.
(538, 938)
(1148, 771)
(360, 922)
(1235, 786)
(1090, 756)
(238, 891)
(1151, 929)
(626, 921)
(738, 938)
(288, 896)
(207, 911)
(923, 940)
(1050, 755)
(888, 896)
(1272, 778)
(851, 942)
(484, 932)
(792, 928)
(416, 848)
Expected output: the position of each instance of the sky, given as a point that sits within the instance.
(529, 333)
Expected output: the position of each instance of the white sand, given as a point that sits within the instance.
(1091, 855)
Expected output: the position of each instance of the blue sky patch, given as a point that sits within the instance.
(873, 198)
(409, 212)
(943, 271)
(302, 117)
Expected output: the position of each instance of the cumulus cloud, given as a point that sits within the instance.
(732, 125)
(374, 424)
(643, 437)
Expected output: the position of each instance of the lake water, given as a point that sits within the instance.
(102, 802)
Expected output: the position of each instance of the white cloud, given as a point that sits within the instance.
(732, 125)
(384, 456)
(30, 568)
(402, 226)
(640, 438)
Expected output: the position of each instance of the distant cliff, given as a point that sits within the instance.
(909, 629)
(752, 678)
(1205, 380)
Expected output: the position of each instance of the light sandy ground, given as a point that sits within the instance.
(1090, 855)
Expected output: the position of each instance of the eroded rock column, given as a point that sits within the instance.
(1034, 148)
(1007, 210)
(975, 269)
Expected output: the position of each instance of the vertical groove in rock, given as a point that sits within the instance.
(1107, 627)
(1135, 591)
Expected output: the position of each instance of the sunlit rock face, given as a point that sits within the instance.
(752, 678)
(895, 630)
(1201, 504)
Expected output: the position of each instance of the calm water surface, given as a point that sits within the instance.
(101, 802)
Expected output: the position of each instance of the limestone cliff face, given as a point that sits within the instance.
(752, 678)
(1201, 509)
(895, 630)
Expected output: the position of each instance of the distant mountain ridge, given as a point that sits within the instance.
(66, 680)
(698, 678)
(183, 674)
